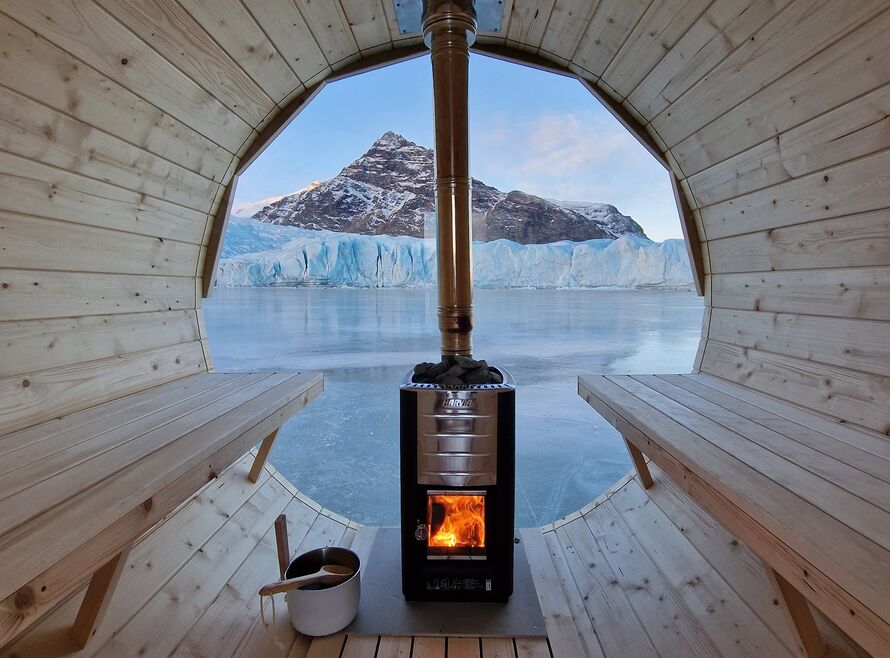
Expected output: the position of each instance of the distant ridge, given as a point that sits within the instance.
(390, 191)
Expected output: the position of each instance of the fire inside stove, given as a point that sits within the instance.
(455, 521)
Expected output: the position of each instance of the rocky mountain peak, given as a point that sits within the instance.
(390, 190)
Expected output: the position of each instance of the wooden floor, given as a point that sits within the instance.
(635, 573)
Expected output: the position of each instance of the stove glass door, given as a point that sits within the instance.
(455, 525)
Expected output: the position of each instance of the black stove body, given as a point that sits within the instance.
(458, 454)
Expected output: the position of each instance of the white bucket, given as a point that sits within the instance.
(324, 611)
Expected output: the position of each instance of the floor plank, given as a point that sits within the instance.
(159, 555)
(394, 646)
(329, 646)
(158, 627)
(557, 616)
(533, 648)
(428, 647)
(360, 646)
(617, 625)
(463, 647)
(729, 622)
(641, 573)
(497, 647)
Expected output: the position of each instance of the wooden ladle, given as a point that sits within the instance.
(329, 574)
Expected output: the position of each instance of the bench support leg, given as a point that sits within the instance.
(261, 456)
(800, 618)
(98, 595)
(640, 464)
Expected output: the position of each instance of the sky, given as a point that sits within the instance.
(529, 130)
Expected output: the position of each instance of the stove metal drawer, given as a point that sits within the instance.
(457, 437)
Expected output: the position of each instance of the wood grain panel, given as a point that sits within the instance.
(805, 92)
(618, 630)
(36, 294)
(36, 345)
(368, 23)
(854, 241)
(168, 28)
(41, 71)
(88, 32)
(234, 29)
(855, 344)
(862, 292)
(855, 187)
(724, 26)
(799, 31)
(857, 397)
(288, 31)
(41, 396)
(204, 576)
(32, 188)
(612, 21)
(855, 129)
(45, 244)
(528, 20)
(659, 29)
(331, 30)
(35, 131)
(568, 21)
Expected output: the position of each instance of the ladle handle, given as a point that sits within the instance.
(281, 544)
(317, 578)
(293, 583)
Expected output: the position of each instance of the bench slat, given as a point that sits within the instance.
(28, 467)
(872, 490)
(857, 514)
(859, 565)
(46, 494)
(856, 435)
(96, 414)
(856, 457)
(210, 445)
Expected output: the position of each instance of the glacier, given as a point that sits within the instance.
(260, 254)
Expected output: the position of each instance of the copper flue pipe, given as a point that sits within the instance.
(449, 28)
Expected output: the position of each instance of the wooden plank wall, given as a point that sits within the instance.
(121, 121)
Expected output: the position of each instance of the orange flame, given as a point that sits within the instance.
(464, 522)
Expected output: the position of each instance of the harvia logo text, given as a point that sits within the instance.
(457, 403)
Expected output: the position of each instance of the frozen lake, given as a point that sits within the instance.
(343, 450)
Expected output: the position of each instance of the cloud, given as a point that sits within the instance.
(576, 155)
(551, 143)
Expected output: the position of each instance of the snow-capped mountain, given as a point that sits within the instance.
(257, 254)
(390, 190)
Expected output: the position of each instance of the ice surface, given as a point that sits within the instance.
(260, 254)
(366, 340)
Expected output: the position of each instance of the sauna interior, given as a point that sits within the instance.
(136, 501)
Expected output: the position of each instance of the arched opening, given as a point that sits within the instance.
(123, 124)
(340, 276)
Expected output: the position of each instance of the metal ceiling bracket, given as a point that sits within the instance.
(409, 14)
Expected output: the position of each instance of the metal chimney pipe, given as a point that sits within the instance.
(449, 29)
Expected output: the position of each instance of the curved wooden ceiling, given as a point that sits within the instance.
(124, 120)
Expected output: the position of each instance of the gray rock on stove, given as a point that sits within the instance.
(457, 371)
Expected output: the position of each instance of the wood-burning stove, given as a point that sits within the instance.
(457, 473)
(457, 435)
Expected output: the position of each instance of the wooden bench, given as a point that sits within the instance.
(77, 491)
(806, 492)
